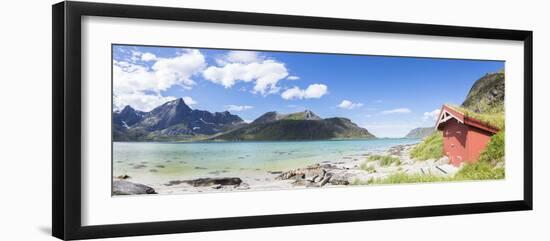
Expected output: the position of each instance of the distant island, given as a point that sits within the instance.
(176, 121)
(420, 132)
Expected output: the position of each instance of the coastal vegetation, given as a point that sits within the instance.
(494, 152)
(385, 160)
(431, 147)
(480, 170)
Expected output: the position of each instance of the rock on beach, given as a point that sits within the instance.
(130, 188)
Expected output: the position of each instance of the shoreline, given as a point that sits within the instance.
(263, 141)
(350, 169)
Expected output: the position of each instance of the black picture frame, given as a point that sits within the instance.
(66, 127)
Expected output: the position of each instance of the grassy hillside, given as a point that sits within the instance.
(486, 94)
(431, 147)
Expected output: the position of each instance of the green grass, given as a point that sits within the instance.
(476, 171)
(430, 148)
(369, 168)
(410, 178)
(494, 152)
(385, 160)
(493, 116)
(479, 171)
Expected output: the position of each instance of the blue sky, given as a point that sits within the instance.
(387, 95)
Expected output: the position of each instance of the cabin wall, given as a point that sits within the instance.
(477, 140)
(454, 141)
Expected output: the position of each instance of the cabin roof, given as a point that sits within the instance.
(448, 112)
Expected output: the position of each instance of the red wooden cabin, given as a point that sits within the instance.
(464, 137)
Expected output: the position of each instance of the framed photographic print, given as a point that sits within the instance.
(169, 120)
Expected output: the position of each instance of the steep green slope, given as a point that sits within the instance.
(487, 94)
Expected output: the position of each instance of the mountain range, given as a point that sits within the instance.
(171, 121)
(175, 121)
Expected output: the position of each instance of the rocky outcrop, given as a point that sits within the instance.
(486, 94)
(316, 176)
(130, 188)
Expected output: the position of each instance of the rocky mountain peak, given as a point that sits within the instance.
(173, 106)
(173, 118)
(128, 116)
(127, 109)
(309, 115)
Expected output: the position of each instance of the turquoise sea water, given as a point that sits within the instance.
(161, 161)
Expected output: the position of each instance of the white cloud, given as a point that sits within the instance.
(396, 111)
(148, 57)
(292, 93)
(178, 70)
(135, 55)
(189, 101)
(313, 91)
(238, 108)
(164, 73)
(292, 77)
(264, 74)
(134, 83)
(243, 57)
(346, 104)
(431, 116)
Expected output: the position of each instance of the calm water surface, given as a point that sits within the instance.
(162, 161)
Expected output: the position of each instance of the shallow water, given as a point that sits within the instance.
(160, 162)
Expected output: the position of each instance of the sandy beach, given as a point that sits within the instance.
(352, 169)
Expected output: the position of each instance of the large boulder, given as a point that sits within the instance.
(130, 188)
